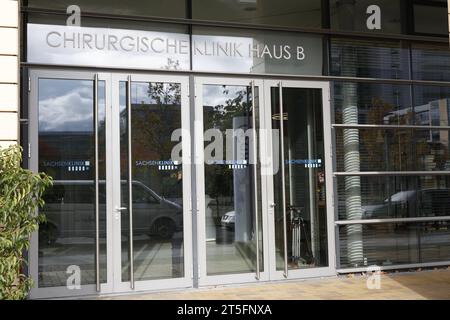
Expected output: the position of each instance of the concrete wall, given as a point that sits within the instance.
(9, 72)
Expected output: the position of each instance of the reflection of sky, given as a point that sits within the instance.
(67, 105)
(213, 95)
(140, 94)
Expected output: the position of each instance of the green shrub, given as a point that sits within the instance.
(20, 195)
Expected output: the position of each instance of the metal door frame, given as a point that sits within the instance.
(158, 284)
(330, 270)
(204, 279)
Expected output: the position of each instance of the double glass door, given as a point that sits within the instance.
(125, 152)
(118, 214)
(264, 151)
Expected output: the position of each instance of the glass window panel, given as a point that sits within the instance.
(306, 222)
(432, 105)
(431, 19)
(66, 153)
(394, 196)
(52, 19)
(230, 228)
(394, 243)
(430, 62)
(159, 8)
(370, 103)
(352, 15)
(368, 59)
(292, 13)
(157, 181)
(392, 150)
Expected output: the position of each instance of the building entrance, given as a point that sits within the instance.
(124, 152)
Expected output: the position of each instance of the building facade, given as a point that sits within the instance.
(208, 142)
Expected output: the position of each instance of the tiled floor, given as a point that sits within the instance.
(405, 285)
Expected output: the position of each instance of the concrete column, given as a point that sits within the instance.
(9, 72)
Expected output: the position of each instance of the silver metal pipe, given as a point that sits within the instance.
(392, 220)
(391, 173)
(283, 182)
(130, 186)
(97, 204)
(387, 126)
(255, 177)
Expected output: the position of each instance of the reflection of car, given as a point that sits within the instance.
(70, 211)
(228, 219)
(411, 203)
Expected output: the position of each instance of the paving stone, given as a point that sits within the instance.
(403, 286)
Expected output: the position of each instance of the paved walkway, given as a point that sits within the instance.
(406, 285)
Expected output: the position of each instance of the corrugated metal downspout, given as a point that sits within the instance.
(346, 9)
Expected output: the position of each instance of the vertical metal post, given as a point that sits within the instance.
(96, 178)
(255, 176)
(130, 185)
(283, 180)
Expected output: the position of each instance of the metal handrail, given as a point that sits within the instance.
(255, 177)
(97, 204)
(130, 186)
(283, 182)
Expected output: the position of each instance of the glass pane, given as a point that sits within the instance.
(392, 150)
(160, 8)
(432, 105)
(66, 152)
(157, 181)
(255, 51)
(395, 196)
(292, 13)
(368, 59)
(306, 222)
(52, 19)
(430, 62)
(352, 15)
(229, 188)
(431, 19)
(368, 103)
(394, 243)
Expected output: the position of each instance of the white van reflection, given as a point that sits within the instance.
(69, 208)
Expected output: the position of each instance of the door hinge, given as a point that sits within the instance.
(29, 84)
(29, 151)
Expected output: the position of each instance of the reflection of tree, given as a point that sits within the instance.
(388, 147)
(399, 149)
(219, 178)
(153, 124)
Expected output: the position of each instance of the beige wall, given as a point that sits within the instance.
(9, 72)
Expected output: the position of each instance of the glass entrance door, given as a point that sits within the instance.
(69, 140)
(230, 229)
(151, 183)
(300, 212)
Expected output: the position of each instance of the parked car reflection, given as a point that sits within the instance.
(228, 220)
(70, 211)
(411, 203)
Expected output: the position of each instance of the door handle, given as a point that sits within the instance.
(120, 209)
